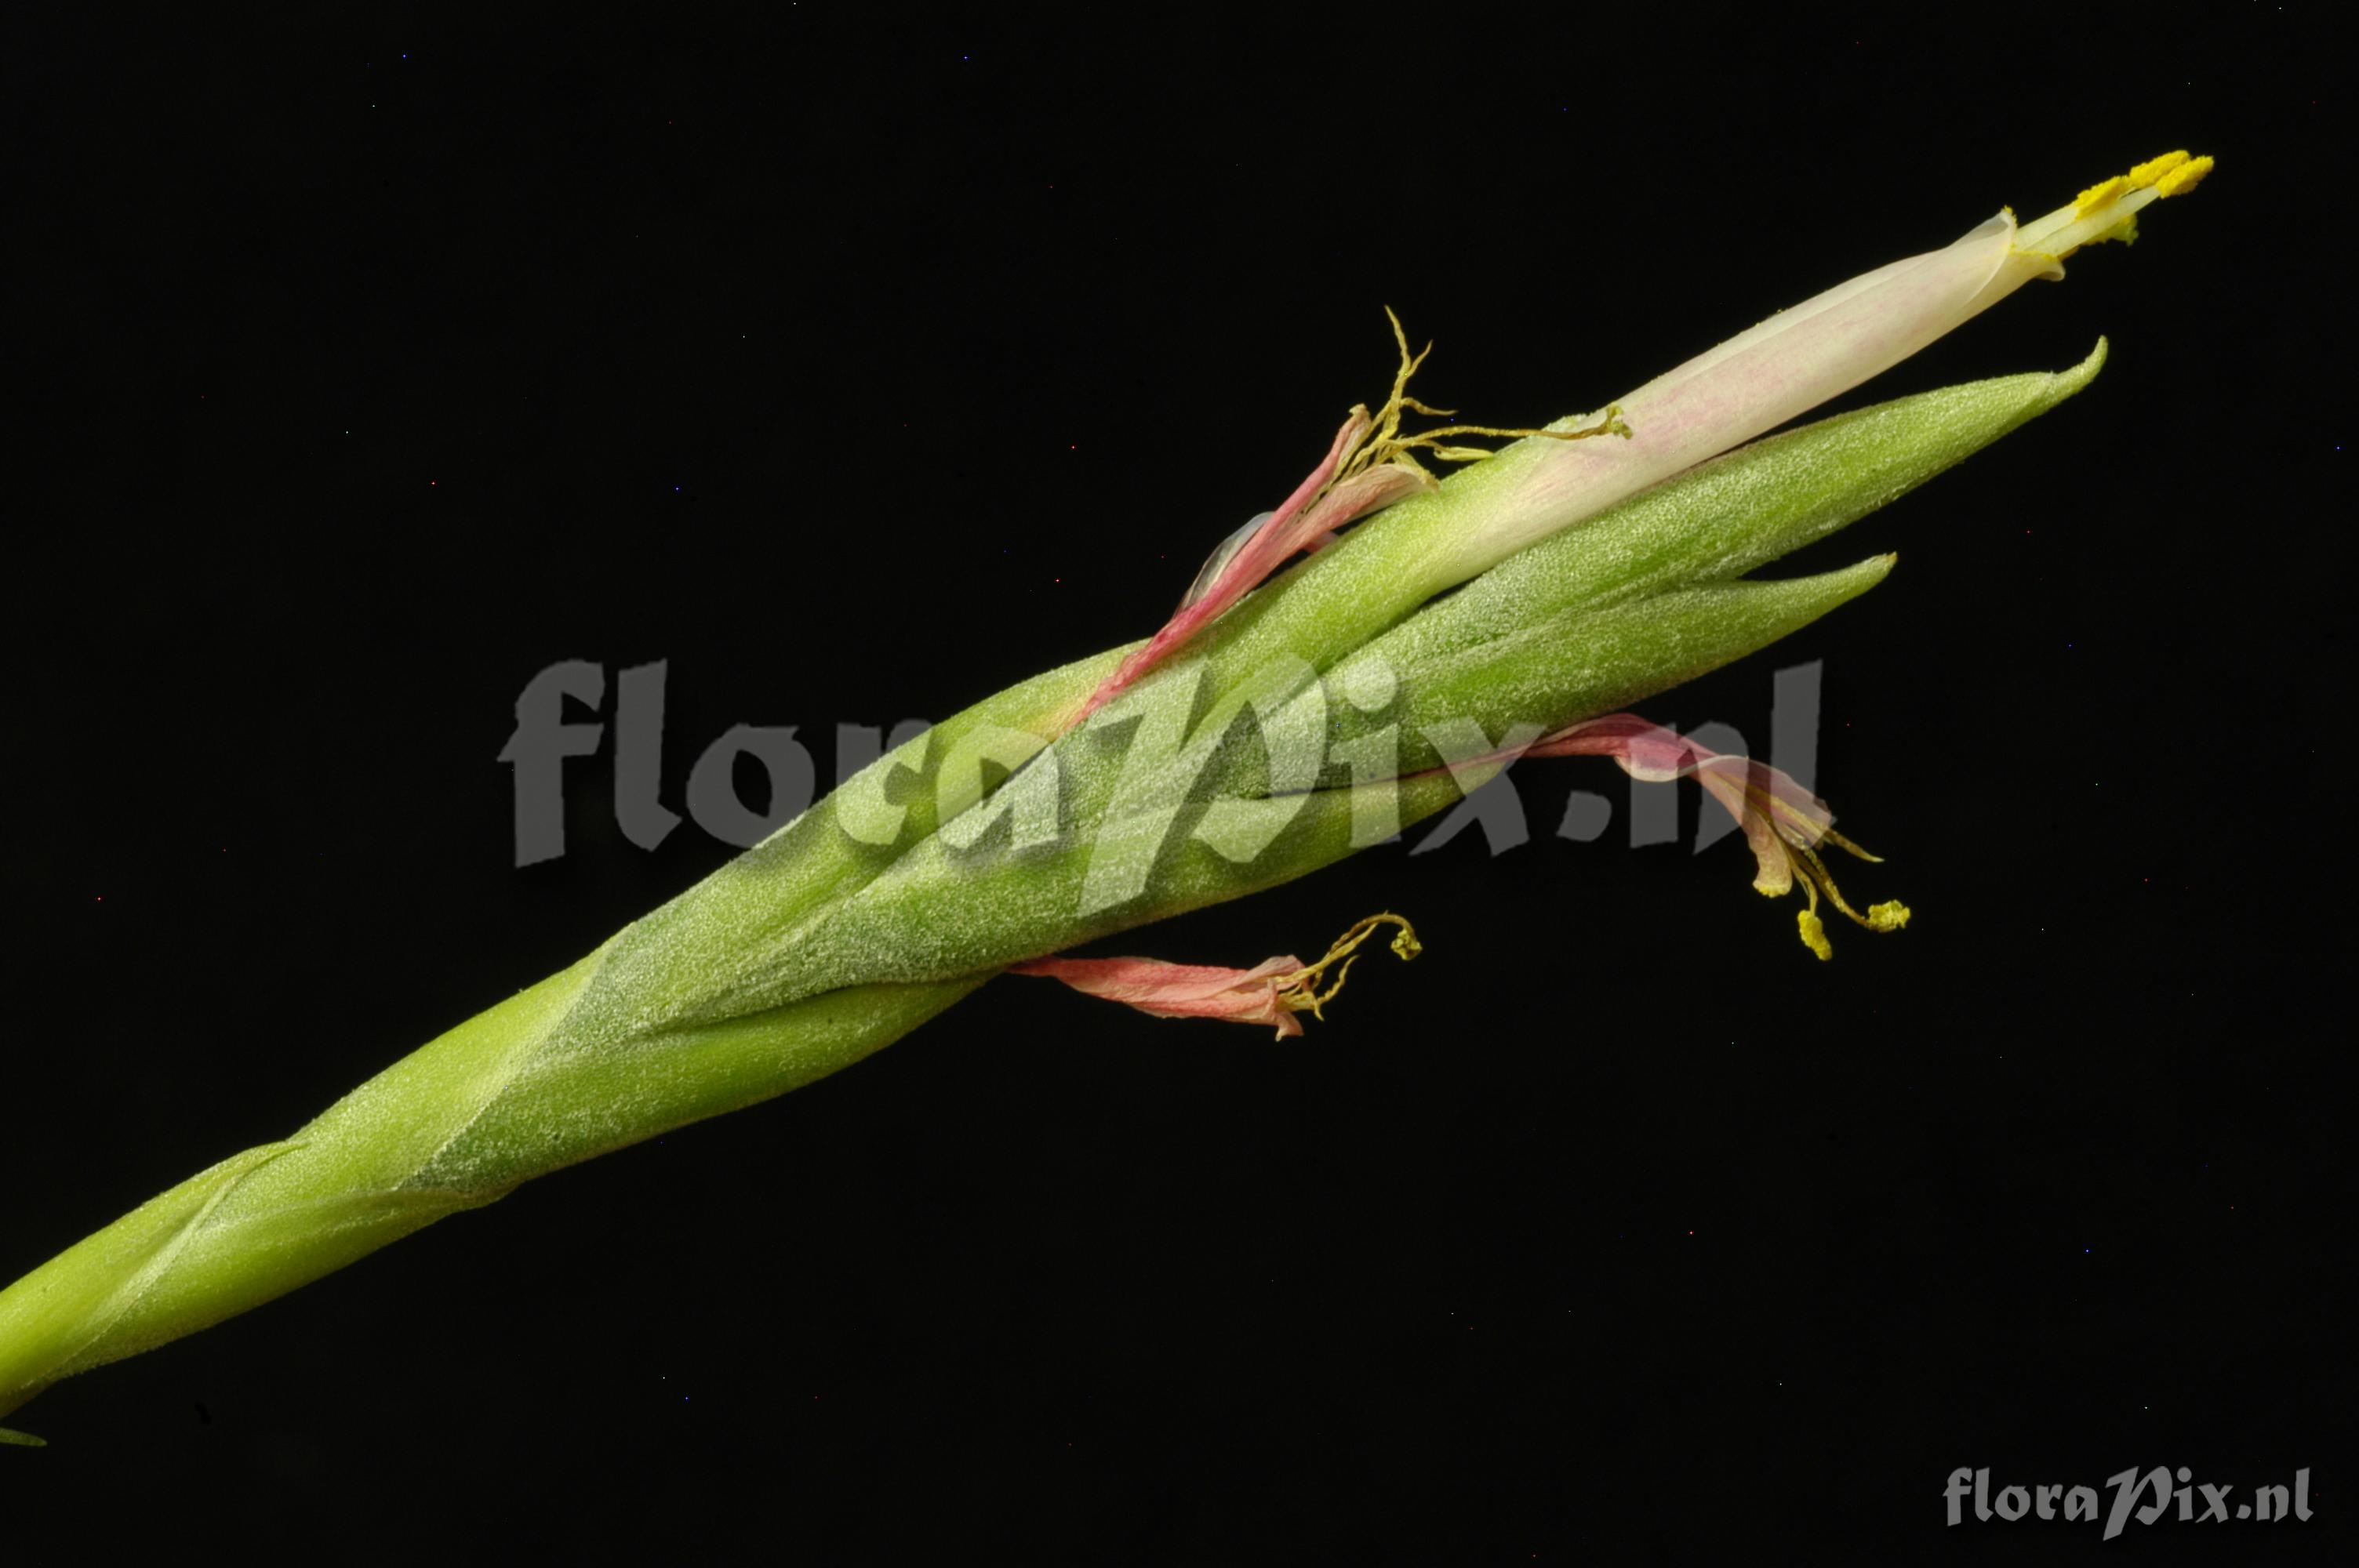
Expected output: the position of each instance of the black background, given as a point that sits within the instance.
(860, 365)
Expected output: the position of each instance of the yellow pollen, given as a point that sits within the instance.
(2183, 178)
(1812, 872)
(2125, 232)
(2107, 209)
(1814, 935)
(2096, 196)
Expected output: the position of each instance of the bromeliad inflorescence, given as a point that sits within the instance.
(1442, 628)
(1790, 363)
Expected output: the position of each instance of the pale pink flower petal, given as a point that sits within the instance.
(1756, 381)
(1181, 990)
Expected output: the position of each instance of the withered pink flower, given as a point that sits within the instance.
(1323, 503)
(1783, 824)
(1367, 468)
(1273, 992)
(1181, 990)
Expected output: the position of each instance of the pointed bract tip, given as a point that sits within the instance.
(2064, 383)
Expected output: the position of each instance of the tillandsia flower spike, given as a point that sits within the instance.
(1783, 824)
(1273, 992)
(1319, 712)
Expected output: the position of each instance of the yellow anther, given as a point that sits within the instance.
(2107, 209)
(2096, 196)
(2183, 178)
(1812, 872)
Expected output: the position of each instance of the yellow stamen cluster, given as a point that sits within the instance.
(1299, 992)
(2108, 210)
(1810, 872)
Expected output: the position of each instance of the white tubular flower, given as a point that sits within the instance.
(1792, 362)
